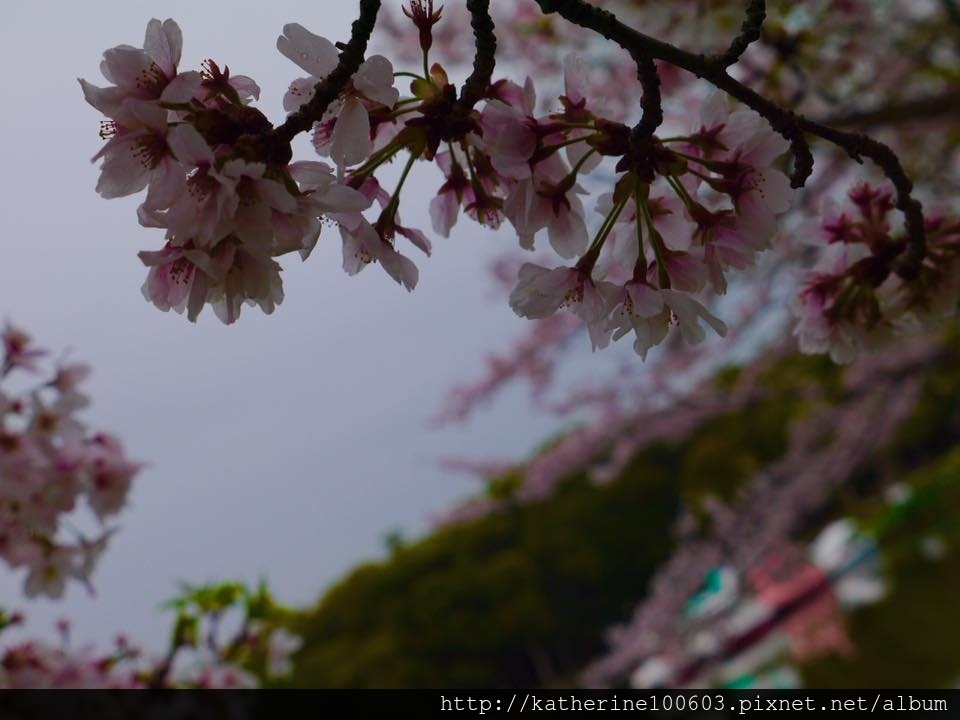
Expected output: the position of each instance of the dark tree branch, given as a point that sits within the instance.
(749, 32)
(486, 49)
(650, 103)
(783, 121)
(327, 90)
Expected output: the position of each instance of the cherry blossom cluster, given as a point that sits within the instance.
(358, 132)
(675, 215)
(853, 301)
(689, 211)
(51, 464)
(681, 213)
(869, 83)
(228, 201)
(861, 34)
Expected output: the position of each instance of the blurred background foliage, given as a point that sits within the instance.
(523, 596)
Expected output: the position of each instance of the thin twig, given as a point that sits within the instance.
(749, 33)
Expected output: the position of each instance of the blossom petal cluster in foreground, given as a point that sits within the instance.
(51, 464)
(227, 205)
(648, 227)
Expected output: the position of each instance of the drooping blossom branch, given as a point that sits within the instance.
(679, 214)
(788, 124)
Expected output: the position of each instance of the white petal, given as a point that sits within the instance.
(714, 110)
(529, 97)
(311, 174)
(444, 210)
(351, 135)
(188, 146)
(122, 173)
(568, 234)
(418, 239)
(182, 88)
(774, 188)
(148, 114)
(197, 297)
(402, 269)
(340, 199)
(315, 54)
(374, 79)
(301, 90)
(574, 78)
(276, 196)
(124, 66)
(106, 100)
(352, 260)
(646, 300)
(167, 183)
(246, 87)
(688, 312)
(163, 44)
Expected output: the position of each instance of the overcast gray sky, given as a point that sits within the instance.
(284, 446)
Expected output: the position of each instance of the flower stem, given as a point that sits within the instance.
(589, 258)
(656, 242)
(391, 207)
(641, 256)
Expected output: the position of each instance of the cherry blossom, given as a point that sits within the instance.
(227, 206)
(138, 154)
(543, 201)
(509, 130)
(541, 292)
(363, 245)
(18, 352)
(349, 141)
(50, 463)
(640, 308)
(143, 74)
